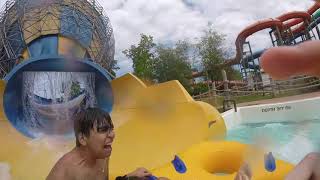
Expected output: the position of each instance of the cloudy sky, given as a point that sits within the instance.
(172, 20)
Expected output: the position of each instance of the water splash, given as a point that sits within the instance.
(50, 100)
(58, 144)
(5, 171)
(289, 141)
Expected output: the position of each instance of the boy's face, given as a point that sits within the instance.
(100, 140)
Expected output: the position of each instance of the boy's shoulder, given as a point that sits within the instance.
(62, 168)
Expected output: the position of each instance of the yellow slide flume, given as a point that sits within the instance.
(155, 123)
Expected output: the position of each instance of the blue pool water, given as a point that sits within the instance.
(288, 141)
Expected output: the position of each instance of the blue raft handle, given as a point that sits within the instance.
(152, 178)
(269, 162)
(179, 165)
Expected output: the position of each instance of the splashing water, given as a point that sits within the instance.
(5, 171)
(50, 100)
(288, 141)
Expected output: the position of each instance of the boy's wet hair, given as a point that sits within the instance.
(87, 119)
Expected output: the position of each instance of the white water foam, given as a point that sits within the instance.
(5, 171)
(295, 150)
(58, 144)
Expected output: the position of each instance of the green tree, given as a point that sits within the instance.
(233, 74)
(75, 89)
(173, 64)
(211, 52)
(200, 88)
(142, 57)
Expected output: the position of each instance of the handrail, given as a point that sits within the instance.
(234, 104)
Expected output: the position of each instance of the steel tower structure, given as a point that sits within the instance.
(33, 28)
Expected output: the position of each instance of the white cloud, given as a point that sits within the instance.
(166, 20)
(5, 171)
(171, 20)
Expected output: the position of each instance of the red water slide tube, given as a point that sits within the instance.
(258, 26)
(299, 18)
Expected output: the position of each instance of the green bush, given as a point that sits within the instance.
(200, 88)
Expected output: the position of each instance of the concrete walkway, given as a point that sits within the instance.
(282, 99)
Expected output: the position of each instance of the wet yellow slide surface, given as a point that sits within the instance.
(155, 123)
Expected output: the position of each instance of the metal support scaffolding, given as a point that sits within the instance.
(24, 21)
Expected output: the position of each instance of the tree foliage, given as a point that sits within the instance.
(212, 53)
(173, 64)
(75, 89)
(161, 63)
(142, 56)
(200, 88)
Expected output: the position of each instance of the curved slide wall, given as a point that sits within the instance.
(291, 111)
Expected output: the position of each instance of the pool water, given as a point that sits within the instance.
(287, 141)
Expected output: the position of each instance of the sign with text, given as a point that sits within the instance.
(276, 109)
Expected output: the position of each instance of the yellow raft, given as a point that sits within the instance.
(221, 161)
